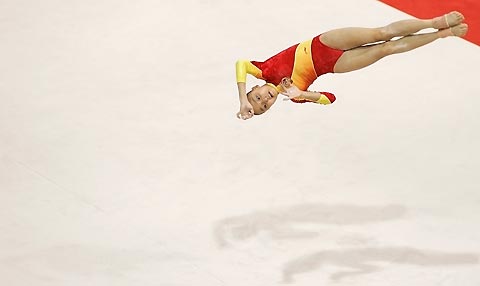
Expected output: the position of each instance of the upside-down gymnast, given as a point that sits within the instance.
(293, 70)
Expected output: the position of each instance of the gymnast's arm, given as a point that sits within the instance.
(316, 97)
(242, 67)
(299, 96)
(246, 108)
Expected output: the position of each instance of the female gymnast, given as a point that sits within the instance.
(293, 70)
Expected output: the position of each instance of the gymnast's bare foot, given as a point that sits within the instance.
(448, 20)
(458, 31)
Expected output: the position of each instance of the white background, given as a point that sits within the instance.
(122, 161)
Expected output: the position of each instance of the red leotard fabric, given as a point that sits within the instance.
(281, 65)
(278, 66)
(324, 57)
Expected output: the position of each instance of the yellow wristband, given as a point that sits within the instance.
(323, 100)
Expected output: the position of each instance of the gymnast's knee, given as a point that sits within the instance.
(386, 49)
(384, 34)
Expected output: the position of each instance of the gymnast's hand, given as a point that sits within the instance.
(246, 111)
(289, 89)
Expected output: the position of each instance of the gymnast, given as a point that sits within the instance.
(293, 70)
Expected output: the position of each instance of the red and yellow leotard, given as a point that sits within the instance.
(303, 63)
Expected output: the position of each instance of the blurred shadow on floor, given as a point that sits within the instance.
(366, 260)
(281, 223)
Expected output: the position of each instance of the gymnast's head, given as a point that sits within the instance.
(262, 98)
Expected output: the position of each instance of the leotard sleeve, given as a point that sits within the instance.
(244, 67)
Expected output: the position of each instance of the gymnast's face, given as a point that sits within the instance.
(262, 98)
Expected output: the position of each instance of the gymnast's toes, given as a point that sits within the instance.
(448, 20)
(460, 30)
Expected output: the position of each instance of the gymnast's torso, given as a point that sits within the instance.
(303, 63)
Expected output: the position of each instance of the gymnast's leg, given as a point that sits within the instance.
(363, 56)
(349, 38)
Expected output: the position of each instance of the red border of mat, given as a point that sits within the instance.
(425, 9)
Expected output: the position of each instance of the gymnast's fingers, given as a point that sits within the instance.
(243, 116)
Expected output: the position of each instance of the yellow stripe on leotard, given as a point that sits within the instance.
(303, 70)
